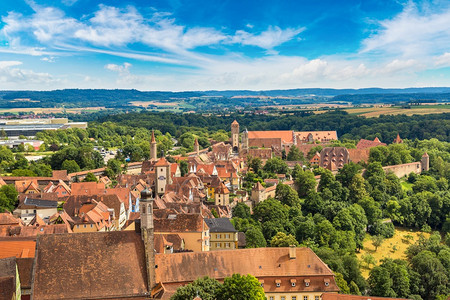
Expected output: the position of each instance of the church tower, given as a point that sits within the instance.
(425, 161)
(196, 147)
(235, 136)
(153, 147)
(147, 234)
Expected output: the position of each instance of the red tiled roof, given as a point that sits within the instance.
(363, 144)
(259, 262)
(162, 162)
(105, 265)
(17, 247)
(285, 135)
(7, 218)
(330, 296)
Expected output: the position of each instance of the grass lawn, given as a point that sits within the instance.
(386, 250)
(406, 185)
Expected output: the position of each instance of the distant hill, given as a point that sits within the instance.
(204, 100)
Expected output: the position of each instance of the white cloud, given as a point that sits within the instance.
(21, 77)
(272, 37)
(442, 60)
(415, 32)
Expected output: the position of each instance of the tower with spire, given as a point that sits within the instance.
(235, 136)
(196, 147)
(147, 235)
(153, 148)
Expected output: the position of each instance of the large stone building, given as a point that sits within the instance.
(266, 144)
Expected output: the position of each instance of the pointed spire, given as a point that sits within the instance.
(196, 142)
(153, 136)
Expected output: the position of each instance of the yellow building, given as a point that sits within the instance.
(223, 236)
(190, 227)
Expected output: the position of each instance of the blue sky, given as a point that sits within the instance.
(202, 45)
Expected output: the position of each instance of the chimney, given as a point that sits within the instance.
(147, 234)
(292, 252)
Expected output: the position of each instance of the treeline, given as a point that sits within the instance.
(347, 126)
(85, 98)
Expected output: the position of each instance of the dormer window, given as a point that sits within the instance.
(278, 282)
(293, 282)
(326, 281)
(261, 282)
(306, 282)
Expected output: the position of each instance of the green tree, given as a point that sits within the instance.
(8, 198)
(254, 238)
(282, 239)
(294, 154)
(241, 210)
(276, 165)
(286, 195)
(380, 282)
(341, 283)
(241, 287)
(184, 168)
(90, 177)
(306, 182)
(70, 165)
(207, 288)
(377, 240)
(254, 163)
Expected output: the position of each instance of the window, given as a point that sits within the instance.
(327, 283)
(271, 298)
(219, 236)
(162, 189)
(294, 297)
(278, 284)
(92, 225)
(305, 297)
(84, 225)
(283, 297)
(227, 245)
(316, 297)
(293, 284)
(227, 236)
(219, 245)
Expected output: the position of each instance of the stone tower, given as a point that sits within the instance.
(235, 136)
(425, 161)
(162, 170)
(147, 234)
(196, 147)
(245, 139)
(153, 147)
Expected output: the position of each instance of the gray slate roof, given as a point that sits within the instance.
(220, 225)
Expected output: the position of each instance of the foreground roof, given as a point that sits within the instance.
(99, 265)
(259, 262)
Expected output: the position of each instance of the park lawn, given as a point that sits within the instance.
(386, 249)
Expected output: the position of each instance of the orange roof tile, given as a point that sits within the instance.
(285, 135)
(162, 162)
(17, 247)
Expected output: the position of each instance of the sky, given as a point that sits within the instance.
(194, 45)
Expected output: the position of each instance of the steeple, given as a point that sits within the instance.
(153, 147)
(235, 136)
(147, 234)
(196, 146)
